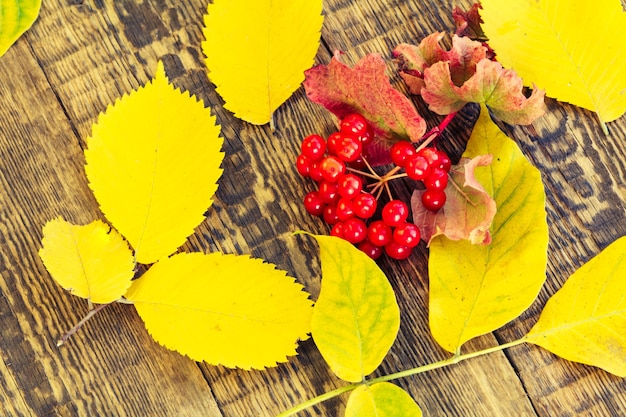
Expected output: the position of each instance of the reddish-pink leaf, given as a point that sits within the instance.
(462, 58)
(365, 89)
(447, 80)
(500, 89)
(468, 212)
(468, 23)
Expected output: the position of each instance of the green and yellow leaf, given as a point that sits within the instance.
(16, 17)
(91, 261)
(585, 321)
(257, 51)
(381, 400)
(223, 309)
(356, 318)
(153, 162)
(475, 289)
(575, 50)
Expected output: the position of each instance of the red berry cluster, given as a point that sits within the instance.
(341, 199)
(428, 165)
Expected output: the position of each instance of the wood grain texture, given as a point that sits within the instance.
(81, 55)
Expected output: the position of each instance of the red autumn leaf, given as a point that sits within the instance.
(468, 23)
(414, 60)
(500, 89)
(469, 209)
(447, 80)
(365, 89)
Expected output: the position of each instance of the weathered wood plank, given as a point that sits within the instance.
(112, 367)
(81, 56)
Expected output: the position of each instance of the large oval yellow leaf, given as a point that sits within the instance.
(585, 321)
(573, 49)
(356, 317)
(16, 17)
(474, 289)
(257, 51)
(153, 162)
(91, 261)
(223, 309)
(381, 400)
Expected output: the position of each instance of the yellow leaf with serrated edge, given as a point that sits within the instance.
(573, 49)
(585, 321)
(16, 16)
(475, 289)
(226, 310)
(257, 51)
(153, 162)
(91, 261)
(381, 400)
(356, 317)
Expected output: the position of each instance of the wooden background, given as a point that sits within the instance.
(83, 54)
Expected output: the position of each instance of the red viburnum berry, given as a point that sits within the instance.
(332, 168)
(332, 141)
(303, 165)
(364, 205)
(354, 124)
(397, 251)
(407, 234)
(349, 185)
(379, 233)
(329, 192)
(313, 147)
(330, 214)
(433, 199)
(354, 230)
(395, 213)
(370, 249)
(315, 171)
(314, 204)
(417, 167)
(401, 151)
(344, 209)
(337, 230)
(349, 148)
(437, 179)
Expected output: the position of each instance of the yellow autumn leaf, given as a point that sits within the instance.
(356, 317)
(226, 310)
(257, 51)
(153, 162)
(573, 49)
(381, 400)
(91, 261)
(16, 16)
(475, 289)
(585, 321)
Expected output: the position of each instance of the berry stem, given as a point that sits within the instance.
(436, 131)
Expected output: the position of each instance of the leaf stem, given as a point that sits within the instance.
(402, 374)
(450, 361)
(92, 312)
(319, 399)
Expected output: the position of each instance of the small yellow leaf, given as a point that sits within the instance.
(223, 309)
(16, 16)
(381, 400)
(257, 51)
(475, 289)
(91, 261)
(356, 317)
(573, 49)
(153, 162)
(585, 321)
